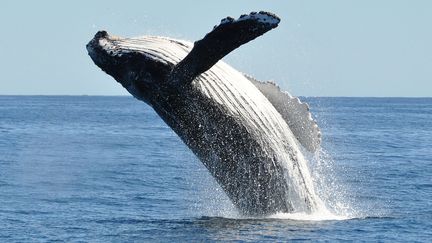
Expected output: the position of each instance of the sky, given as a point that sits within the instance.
(321, 48)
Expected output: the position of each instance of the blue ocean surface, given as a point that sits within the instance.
(107, 169)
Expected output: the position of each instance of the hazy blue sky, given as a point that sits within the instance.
(321, 48)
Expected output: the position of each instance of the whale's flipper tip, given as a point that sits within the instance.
(262, 17)
(224, 38)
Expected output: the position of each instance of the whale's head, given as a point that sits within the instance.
(135, 63)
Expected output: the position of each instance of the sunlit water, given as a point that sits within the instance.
(108, 169)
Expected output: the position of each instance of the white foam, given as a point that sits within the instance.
(317, 216)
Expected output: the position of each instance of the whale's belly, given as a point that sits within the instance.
(235, 131)
(242, 140)
(228, 87)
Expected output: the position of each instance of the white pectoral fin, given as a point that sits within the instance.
(295, 113)
(224, 38)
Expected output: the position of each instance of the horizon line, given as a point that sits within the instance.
(312, 96)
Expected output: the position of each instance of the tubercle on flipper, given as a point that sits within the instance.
(262, 17)
(311, 140)
(304, 104)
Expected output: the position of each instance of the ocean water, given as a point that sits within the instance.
(98, 169)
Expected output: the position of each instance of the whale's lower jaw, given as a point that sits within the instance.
(138, 71)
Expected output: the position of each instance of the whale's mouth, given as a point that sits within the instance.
(110, 57)
(93, 44)
(134, 66)
(103, 40)
(102, 50)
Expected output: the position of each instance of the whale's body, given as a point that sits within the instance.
(233, 123)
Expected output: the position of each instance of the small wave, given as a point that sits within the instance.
(322, 215)
(318, 216)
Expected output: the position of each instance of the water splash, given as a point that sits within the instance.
(330, 190)
(317, 216)
(333, 200)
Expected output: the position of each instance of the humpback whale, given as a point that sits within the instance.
(247, 133)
